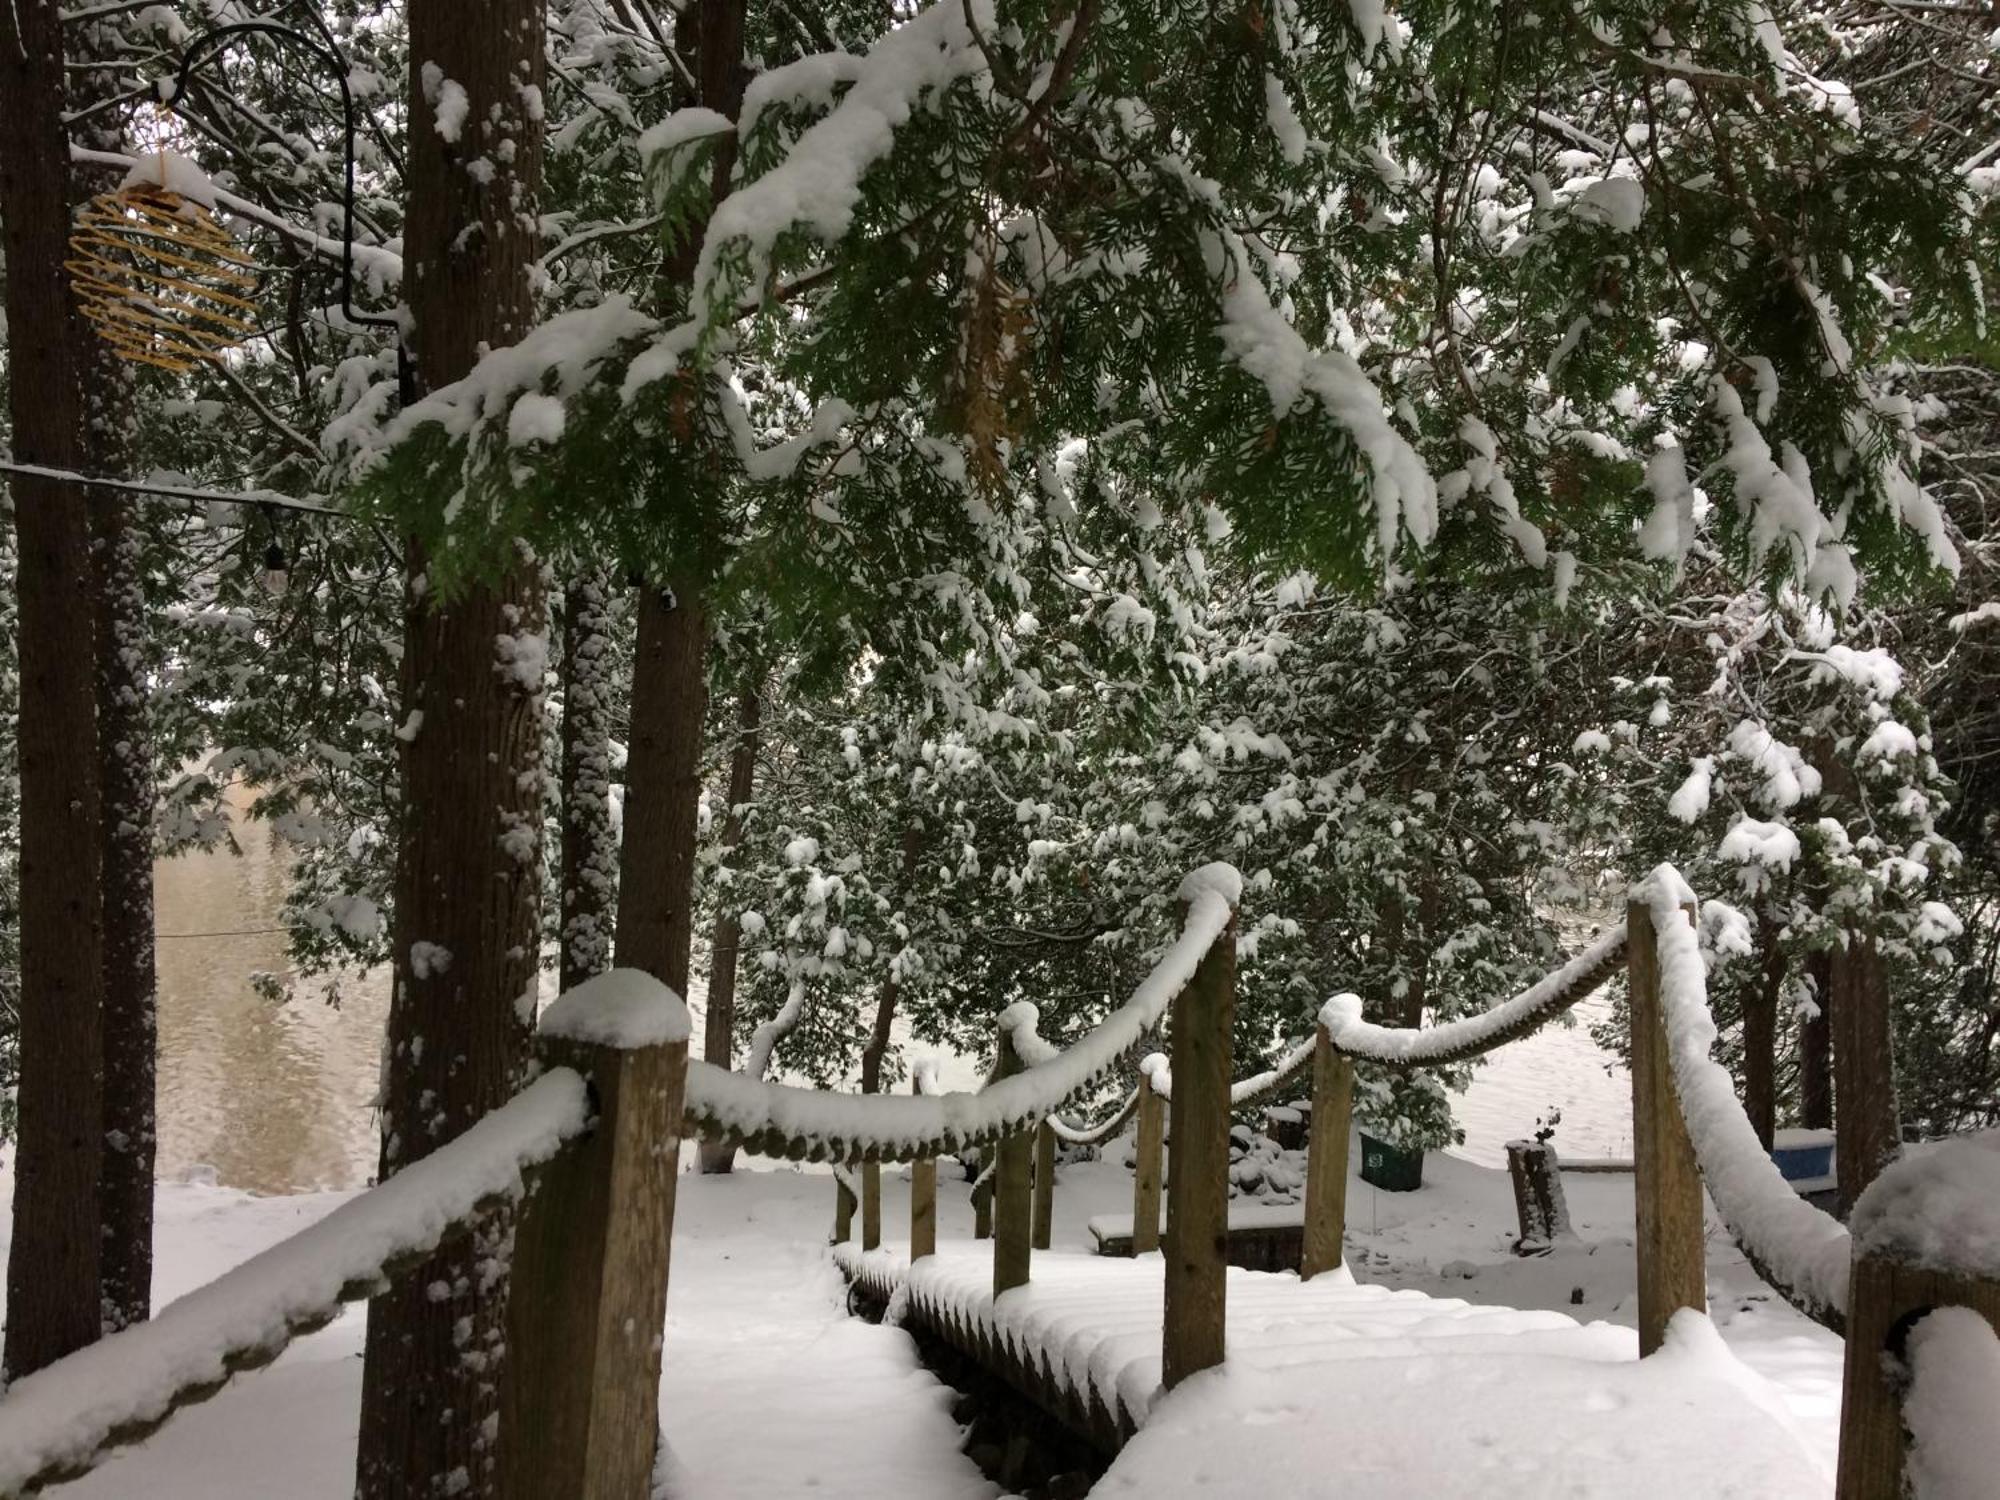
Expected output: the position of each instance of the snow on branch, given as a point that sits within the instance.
(1455, 1041)
(60, 1421)
(1803, 1253)
(808, 1124)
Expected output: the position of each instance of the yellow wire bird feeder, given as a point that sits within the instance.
(159, 278)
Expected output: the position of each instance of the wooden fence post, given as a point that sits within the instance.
(923, 1200)
(871, 1205)
(1197, 1245)
(1146, 1159)
(580, 1392)
(982, 1209)
(1326, 1158)
(1666, 1183)
(1045, 1184)
(843, 1209)
(1012, 1190)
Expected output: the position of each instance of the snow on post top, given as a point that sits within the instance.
(1664, 890)
(622, 1008)
(1938, 1208)
(1219, 879)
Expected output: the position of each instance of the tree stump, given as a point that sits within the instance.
(1538, 1196)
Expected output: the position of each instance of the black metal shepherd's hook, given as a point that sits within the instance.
(324, 49)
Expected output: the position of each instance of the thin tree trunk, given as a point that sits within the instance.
(1760, 1037)
(1816, 1050)
(719, 1024)
(54, 1301)
(468, 860)
(589, 846)
(1864, 1068)
(662, 784)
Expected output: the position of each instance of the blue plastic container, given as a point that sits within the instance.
(1803, 1155)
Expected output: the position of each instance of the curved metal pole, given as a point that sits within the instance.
(324, 50)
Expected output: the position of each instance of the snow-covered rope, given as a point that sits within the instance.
(1804, 1253)
(1954, 1358)
(1102, 1131)
(807, 1124)
(1254, 1089)
(56, 1423)
(1456, 1041)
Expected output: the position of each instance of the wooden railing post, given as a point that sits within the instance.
(1012, 1189)
(844, 1203)
(1326, 1158)
(871, 1205)
(1197, 1244)
(1665, 1180)
(1146, 1159)
(982, 1209)
(580, 1392)
(923, 1200)
(1045, 1184)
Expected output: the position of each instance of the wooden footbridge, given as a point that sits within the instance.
(588, 1152)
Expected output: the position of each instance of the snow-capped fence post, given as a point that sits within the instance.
(1666, 1182)
(1013, 1166)
(1045, 1184)
(923, 1198)
(871, 1205)
(1197, 1243)
(580, 1389)
(1914, 1207)
(1148, 1151)
(1326, 1157)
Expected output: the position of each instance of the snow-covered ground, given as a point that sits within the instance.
(771, 1390)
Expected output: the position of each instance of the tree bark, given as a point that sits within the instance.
(1760, 1037)
(468, 860)
(718, 1041)
(1864, 1068)
(125, 779)
(53, 1275)
(1816, 1050)
(662, 783)
(589, 846)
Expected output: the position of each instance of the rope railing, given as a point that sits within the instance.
(796, 1124)
(1462, 1040)
(1803, 1252)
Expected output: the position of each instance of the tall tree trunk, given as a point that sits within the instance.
(662, 784)
(53, 1275)
(1864, 1068)
(1760, 1036)
(589, 847)
(125, 776)
(468, 860)
(669, 684)
(1816, 1050)
(718, 1041)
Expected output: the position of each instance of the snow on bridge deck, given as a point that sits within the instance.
(1333, 1388)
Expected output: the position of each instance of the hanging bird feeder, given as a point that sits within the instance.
(157, 275)
(154, 271)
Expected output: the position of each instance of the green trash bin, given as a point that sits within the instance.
(1393, 1169)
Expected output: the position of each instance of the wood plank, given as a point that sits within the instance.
(1666, 1182)
(580, 1404)
(1045, 1184)
(1326, 1158)
(1197, 1243)
(1146, 1163)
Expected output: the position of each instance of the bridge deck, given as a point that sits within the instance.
(1342, 1389)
